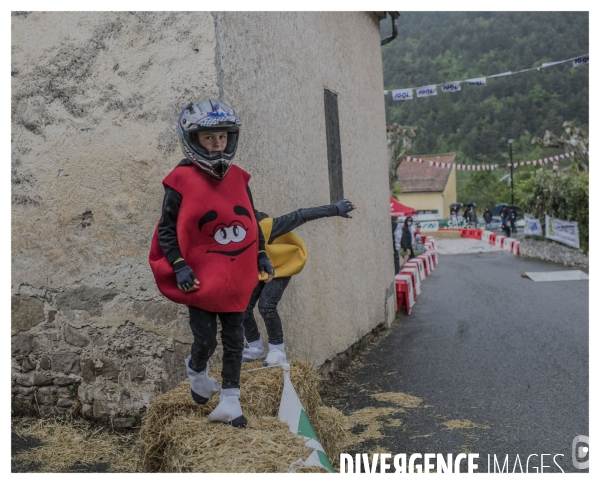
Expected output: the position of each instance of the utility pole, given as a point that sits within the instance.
(512, 193)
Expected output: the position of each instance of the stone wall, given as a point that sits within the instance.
(95, 97)
(553, 252)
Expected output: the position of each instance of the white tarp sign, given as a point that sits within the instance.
(581, 61)
(402, 94)
(562, 231)
(533, 226)
(426, 91)
(430, 226)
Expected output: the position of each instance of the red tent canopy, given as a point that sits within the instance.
(399, 210)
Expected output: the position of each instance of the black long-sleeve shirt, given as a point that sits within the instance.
(286, 223)
(167, 227)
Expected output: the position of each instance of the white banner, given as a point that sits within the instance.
(430, 226)
(427, 91)
(581, 61)
(562, 231)
(480, 81)
(533, 226)
(451, 87)
(402, 94)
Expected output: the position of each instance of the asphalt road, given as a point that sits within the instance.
(485, 345)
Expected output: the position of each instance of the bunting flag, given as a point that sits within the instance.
(426, 91)
(431, 90)
(480, 81)
(439, 164)
(451, 87)
(402, 94)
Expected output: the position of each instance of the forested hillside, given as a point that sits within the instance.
(435, 47)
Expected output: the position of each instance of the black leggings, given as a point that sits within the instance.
(204, 329)
(267, 296)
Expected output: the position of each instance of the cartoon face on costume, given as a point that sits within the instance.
(229, 235)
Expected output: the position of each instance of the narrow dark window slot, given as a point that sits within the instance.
(334, 149)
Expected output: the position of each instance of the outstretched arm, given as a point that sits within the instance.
(287, 223)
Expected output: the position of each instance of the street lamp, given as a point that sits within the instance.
(512, 194)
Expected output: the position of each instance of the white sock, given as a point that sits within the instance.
(201, 383)
(229, 407)
(276, 355)
(255, 350)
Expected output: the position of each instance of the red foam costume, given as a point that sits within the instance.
(218, 238)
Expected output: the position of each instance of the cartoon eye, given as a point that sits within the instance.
(238, 233)
(222, 236)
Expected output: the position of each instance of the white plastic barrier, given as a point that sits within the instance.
(417, 279)
(485, 236)
(420, 264)
(499, 241)
(411, 291)
(434, 257)
(508, 241)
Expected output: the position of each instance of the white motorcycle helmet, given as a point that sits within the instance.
(208, 115)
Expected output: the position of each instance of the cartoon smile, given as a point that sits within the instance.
(231, 253)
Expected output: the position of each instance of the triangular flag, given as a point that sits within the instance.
(562, 155)
(431, 163)
(292, 412)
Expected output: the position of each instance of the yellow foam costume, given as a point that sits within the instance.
(287, 253)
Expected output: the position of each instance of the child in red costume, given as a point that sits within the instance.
(208, 248)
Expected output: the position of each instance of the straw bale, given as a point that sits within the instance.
(444, 234)
(260, 397)
(196, 445)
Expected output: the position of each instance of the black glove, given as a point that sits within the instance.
(264, 264)
(185, 275)
(344, 206)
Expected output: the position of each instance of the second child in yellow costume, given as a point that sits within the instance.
(287, 253)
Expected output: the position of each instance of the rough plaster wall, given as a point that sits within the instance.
(94, 102)
(274, 67)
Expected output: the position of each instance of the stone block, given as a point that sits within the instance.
(36, 378)
(88, 371)
(27, 364)
(26, 312)
(65, 363)
(108, 370)
(123, 422)
(21, 344)
(100, 411)
(135, 370)
(65, 402)
(85, 298)
(45, 363)
(76, 337)
(87, 411)
(63, 381)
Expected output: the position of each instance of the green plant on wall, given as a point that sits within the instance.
(564, 195)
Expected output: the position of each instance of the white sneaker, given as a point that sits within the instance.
(202, 386)
(255, 351)
(229, 409)
(276, 355)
